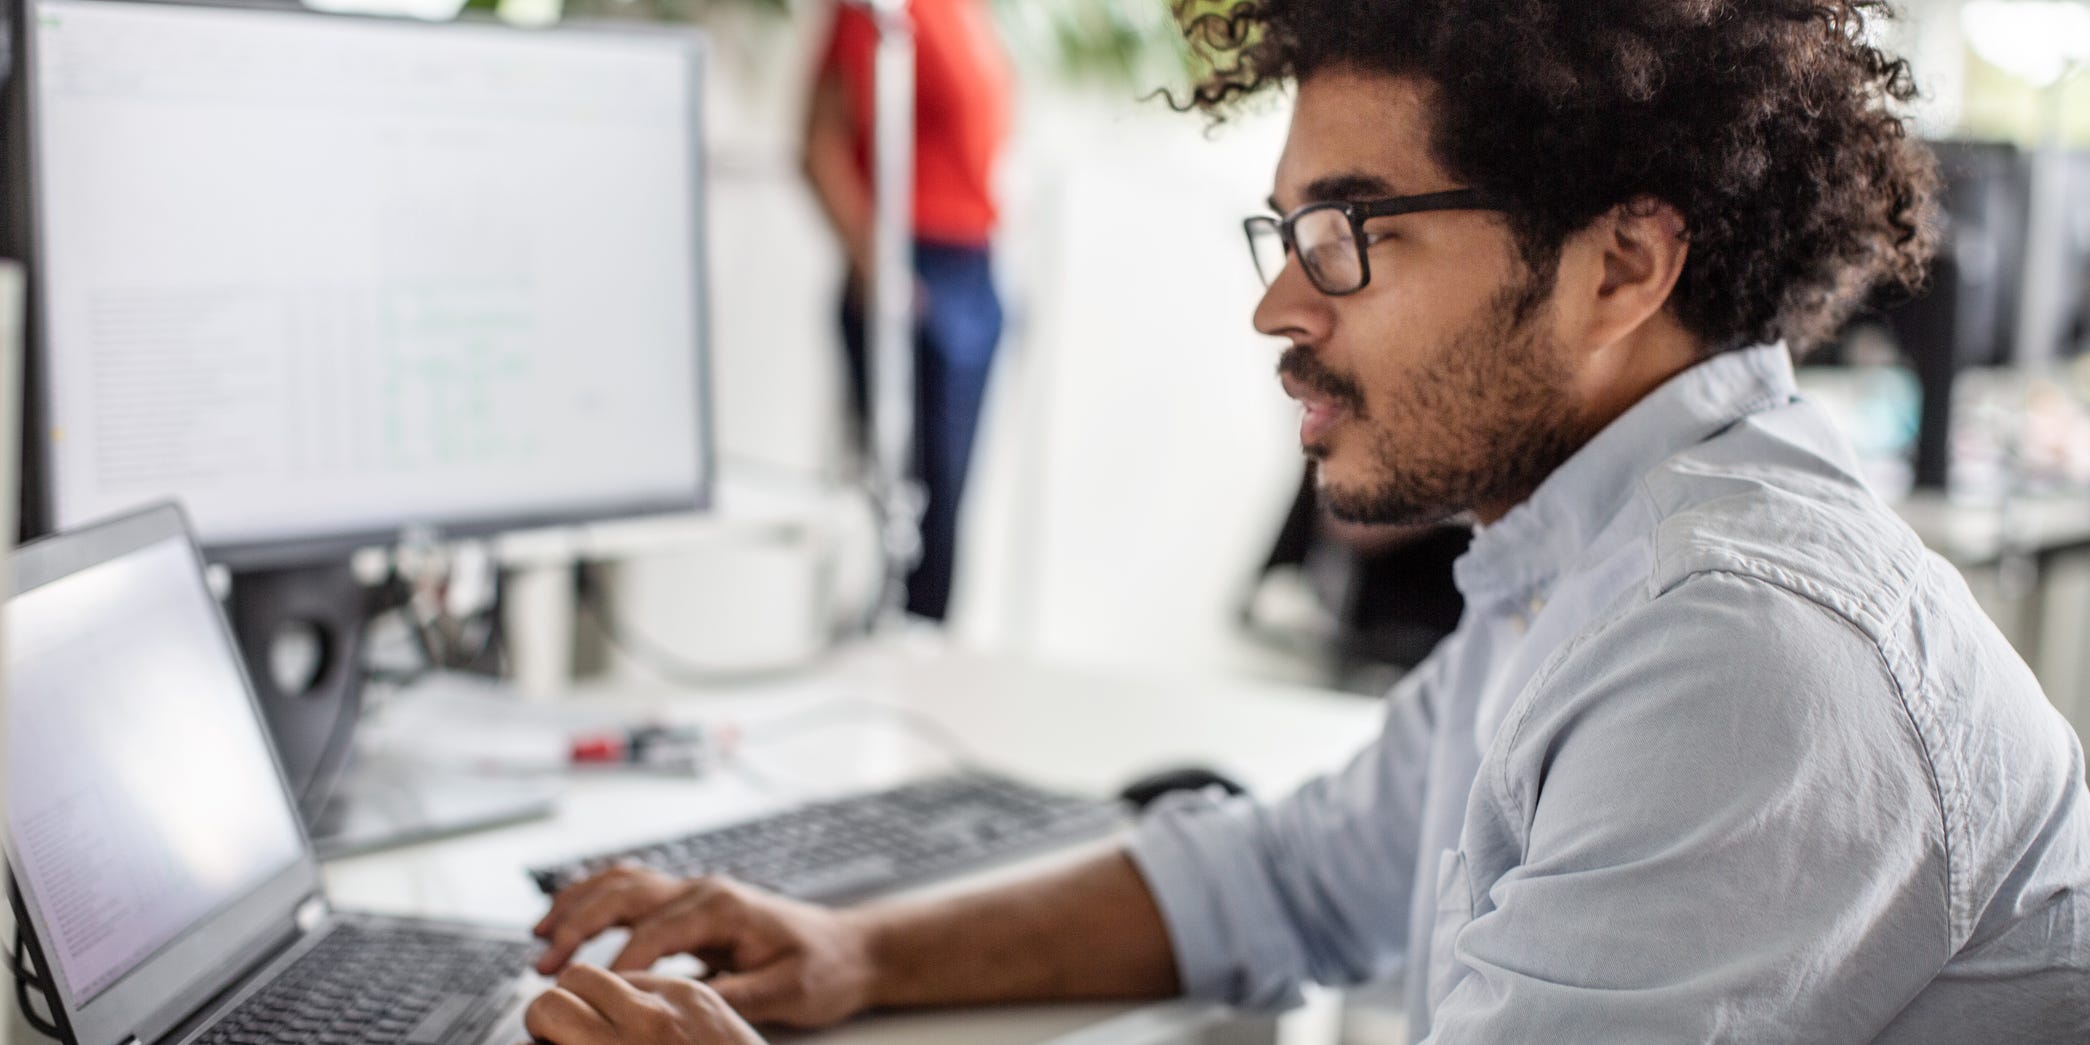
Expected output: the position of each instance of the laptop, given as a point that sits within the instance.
(170, 893)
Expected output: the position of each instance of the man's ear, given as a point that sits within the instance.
(1643, 244)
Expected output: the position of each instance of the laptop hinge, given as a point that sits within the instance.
(310, 913)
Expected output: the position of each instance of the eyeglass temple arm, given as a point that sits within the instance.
(1450, 199)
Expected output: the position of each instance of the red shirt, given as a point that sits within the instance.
(962, 87)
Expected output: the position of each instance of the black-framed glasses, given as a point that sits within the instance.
(1330, 238)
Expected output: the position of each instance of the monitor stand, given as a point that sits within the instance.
(301, 632)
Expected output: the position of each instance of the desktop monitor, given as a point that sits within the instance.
(329, 279)
(1970, 314)
(1967, 315)
(2071, 320)
(326, 278)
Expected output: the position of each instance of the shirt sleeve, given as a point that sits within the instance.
(1732, 836)
(1258, 899)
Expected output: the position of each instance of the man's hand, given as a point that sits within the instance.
(773, 960)
(593, 1007)
(620, 896)
(1089, 931)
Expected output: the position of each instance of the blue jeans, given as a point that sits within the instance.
(954, 340)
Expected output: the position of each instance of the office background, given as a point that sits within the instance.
(1137, 459)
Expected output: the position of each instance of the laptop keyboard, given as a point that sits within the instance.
(868, 843)
(380, 984)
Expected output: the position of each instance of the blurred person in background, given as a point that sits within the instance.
(963, 85)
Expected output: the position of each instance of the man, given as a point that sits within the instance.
(1717, 752)
(962, 98)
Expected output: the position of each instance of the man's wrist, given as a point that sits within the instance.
(871, 936)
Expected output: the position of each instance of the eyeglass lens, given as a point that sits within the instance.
(1328, 250)
(1266, 245)
(1326, 247)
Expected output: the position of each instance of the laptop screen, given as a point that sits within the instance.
(142, 794)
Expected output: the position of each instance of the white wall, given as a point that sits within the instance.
(1139, 456)
(774, 269)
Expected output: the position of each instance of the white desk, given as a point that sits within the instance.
(1978, 535)
(1068, 729)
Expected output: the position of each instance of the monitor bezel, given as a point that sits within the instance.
(225, 945)
(39, 508)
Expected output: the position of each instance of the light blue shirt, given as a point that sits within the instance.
(1718, 752)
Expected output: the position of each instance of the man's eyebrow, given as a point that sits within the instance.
(1343, 186)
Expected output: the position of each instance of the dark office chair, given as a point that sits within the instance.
(1388, 590)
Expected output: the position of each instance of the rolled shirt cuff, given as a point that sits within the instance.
(1233, 941)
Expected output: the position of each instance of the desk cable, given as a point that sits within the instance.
(442, 638)
(436, 644)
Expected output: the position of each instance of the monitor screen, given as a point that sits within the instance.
(318, 276)
(142, 797)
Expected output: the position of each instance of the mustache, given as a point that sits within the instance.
(1301, 365)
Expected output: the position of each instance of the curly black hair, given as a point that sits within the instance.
(1770, 125)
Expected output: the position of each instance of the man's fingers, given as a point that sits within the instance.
(706, 918)
(564, 901)
(658, 983)
(701, 1009)
(562, 1018)
(676, 987)
(624, 874)
(610, 995)
(613, 903)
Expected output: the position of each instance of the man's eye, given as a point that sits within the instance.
(1327, 253)
(1373, 239)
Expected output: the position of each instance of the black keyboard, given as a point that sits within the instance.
(376, 983)
(869, 843)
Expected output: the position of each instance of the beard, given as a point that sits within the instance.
(1482, 422)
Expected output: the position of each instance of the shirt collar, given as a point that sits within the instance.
(1515, 559)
